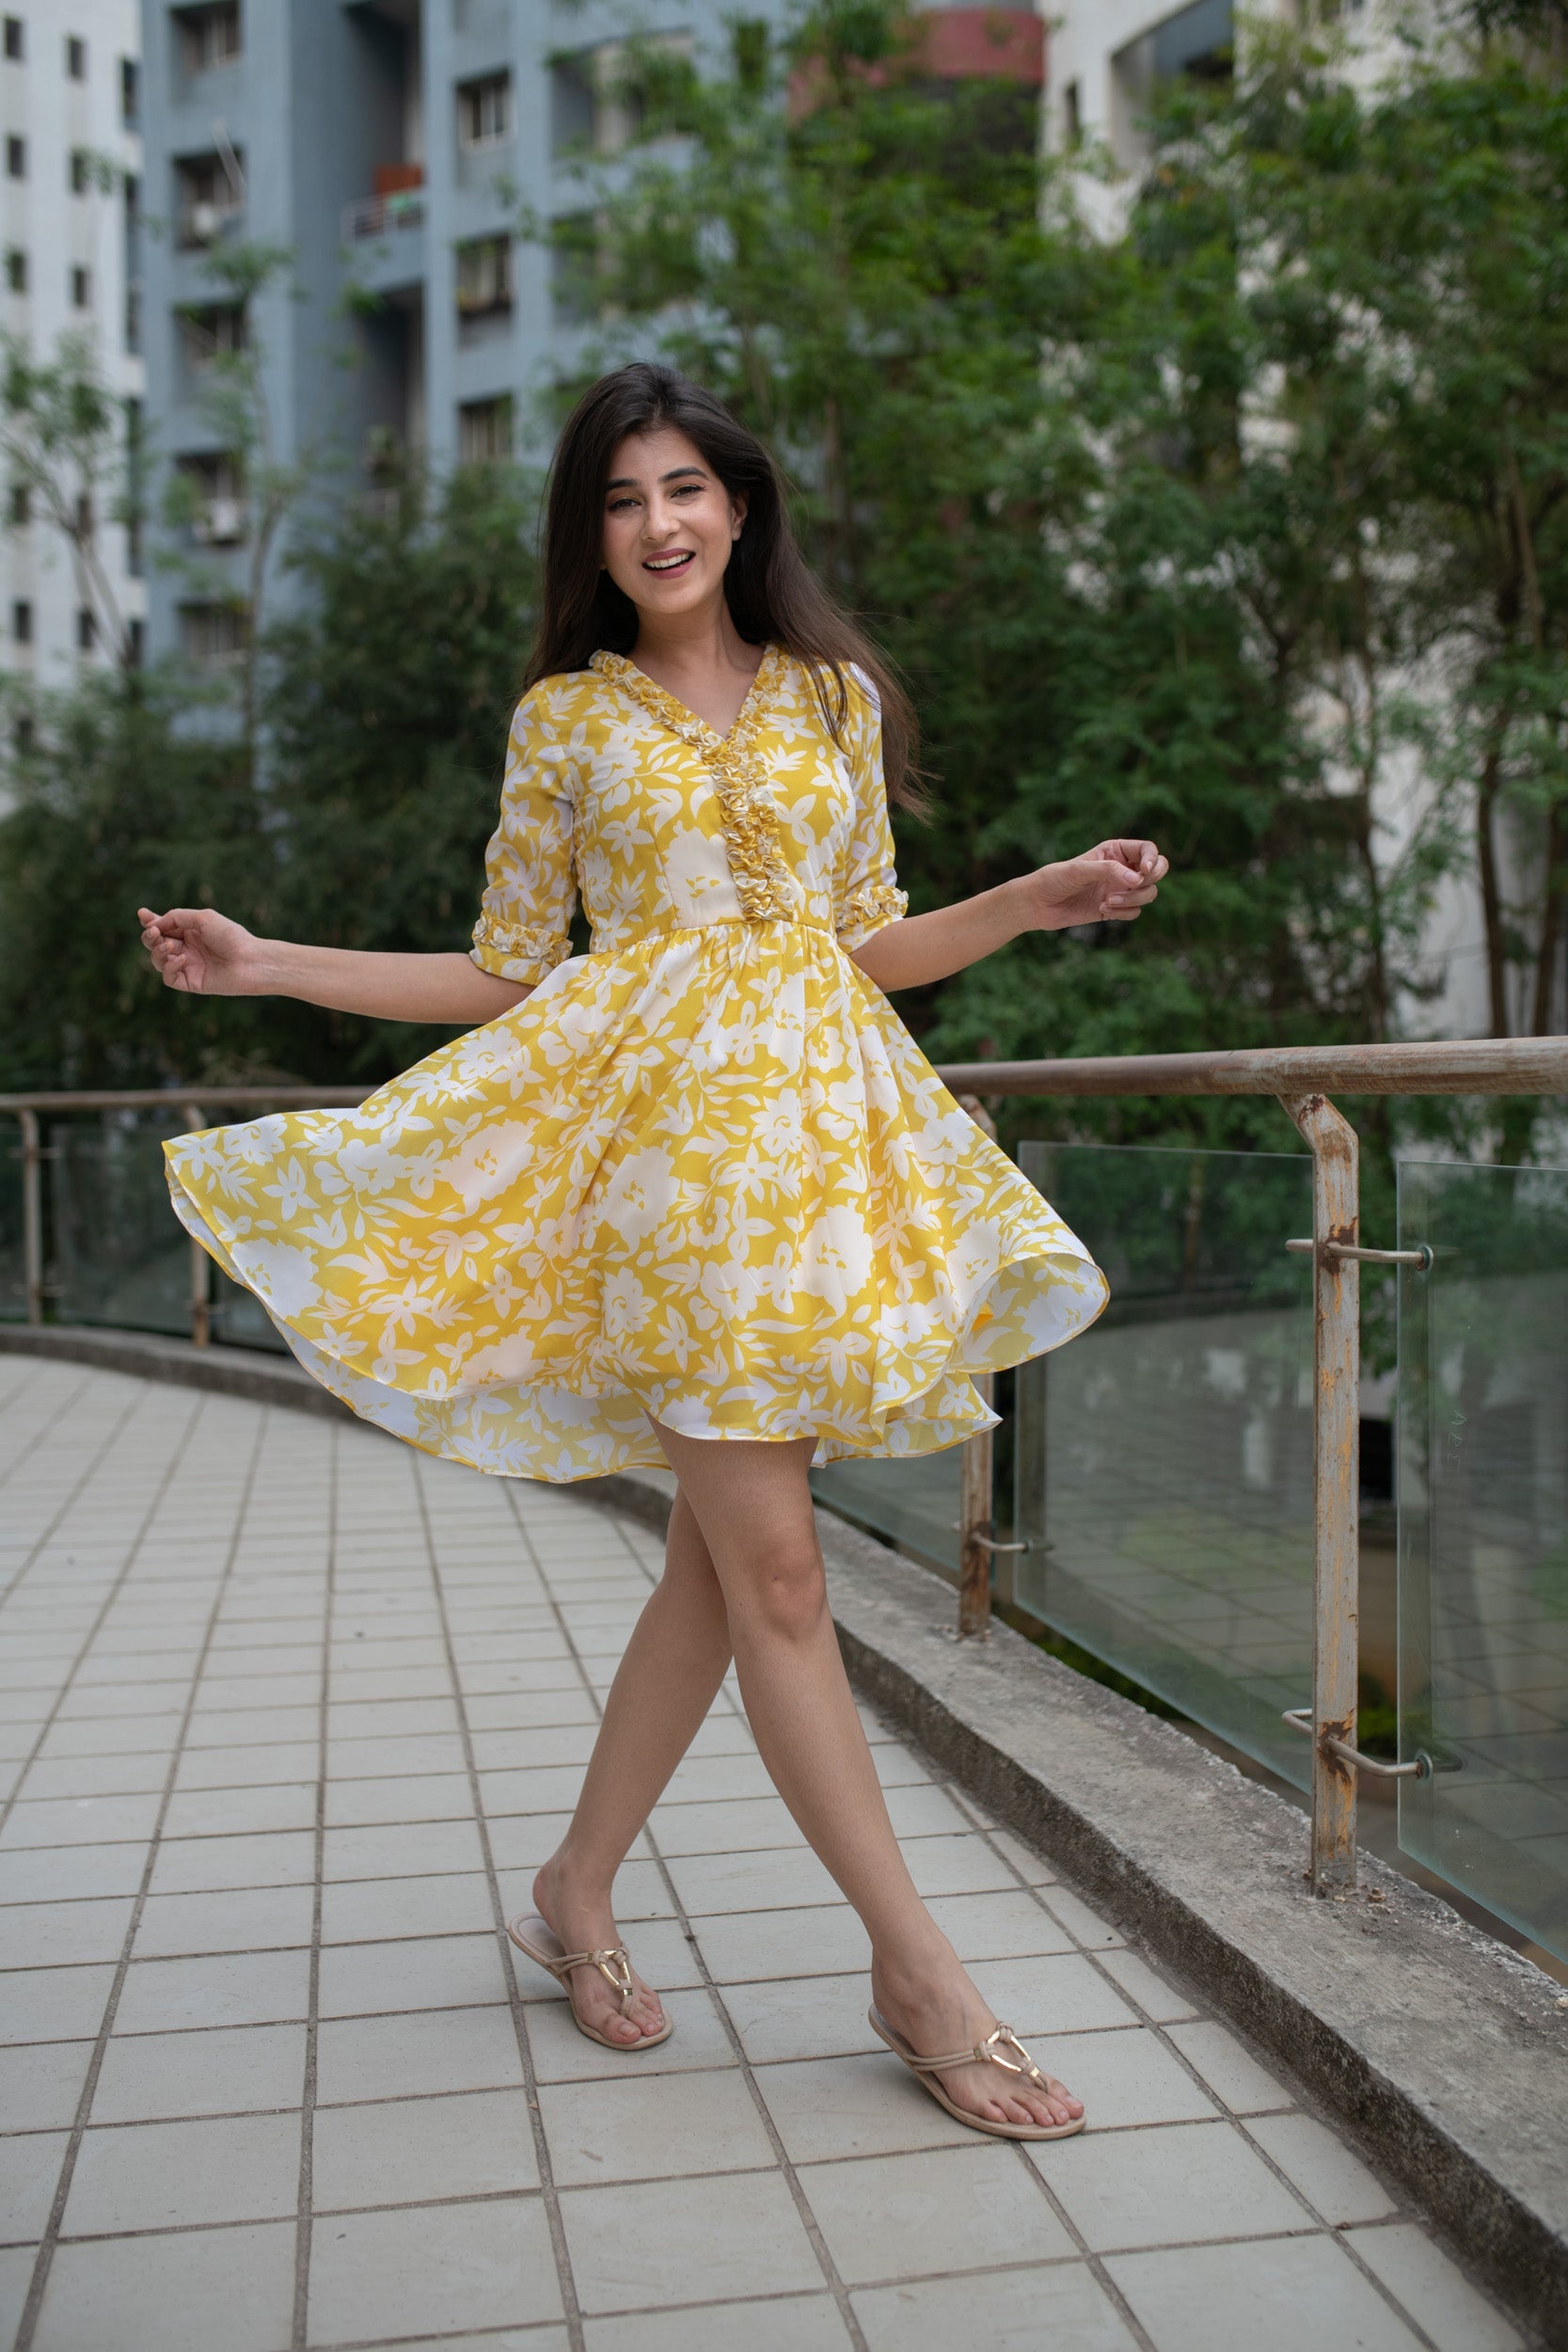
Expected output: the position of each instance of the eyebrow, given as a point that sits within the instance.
(629, 481)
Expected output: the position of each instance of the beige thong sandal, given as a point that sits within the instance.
(986, 2053)
(542, 1945)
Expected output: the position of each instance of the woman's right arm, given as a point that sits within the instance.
(205, 954)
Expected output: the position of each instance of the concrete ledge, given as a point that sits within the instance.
(1440, 2048)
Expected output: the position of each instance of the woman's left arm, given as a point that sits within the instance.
(1112, 884)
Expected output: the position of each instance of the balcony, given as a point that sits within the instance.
(396, 206)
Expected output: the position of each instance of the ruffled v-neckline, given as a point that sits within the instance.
(672, 712)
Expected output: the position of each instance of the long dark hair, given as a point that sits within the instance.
(773, 597)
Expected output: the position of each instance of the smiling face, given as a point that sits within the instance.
(669, 525)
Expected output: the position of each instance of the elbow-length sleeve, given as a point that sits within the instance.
(524, 928)
(868, 897)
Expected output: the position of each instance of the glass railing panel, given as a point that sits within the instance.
(912, 1503)
(1483, 1536)
(1163, 1460)
(13, 1274)
(117, 1252)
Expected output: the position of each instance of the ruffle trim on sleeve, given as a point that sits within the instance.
(763, 880)
(525, 952)
(869, 910)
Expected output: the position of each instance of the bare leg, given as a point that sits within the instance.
(677, 1657)
(753, 1506)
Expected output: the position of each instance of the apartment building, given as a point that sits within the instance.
(69, 242)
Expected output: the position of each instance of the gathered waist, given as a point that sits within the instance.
(658, 932)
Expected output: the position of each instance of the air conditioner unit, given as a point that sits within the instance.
(204, 220)
(220, 523)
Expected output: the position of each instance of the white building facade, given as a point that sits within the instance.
(69, 188)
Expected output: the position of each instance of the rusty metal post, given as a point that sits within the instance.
(200, 1264)
(1336, 1479)
(975, 1515)
(32, 1215)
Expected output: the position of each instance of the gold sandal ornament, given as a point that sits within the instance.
(542, 1945)
(991, 2052)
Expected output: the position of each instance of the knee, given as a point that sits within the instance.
(790, 1592)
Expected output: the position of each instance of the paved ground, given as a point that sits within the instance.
(293, 1712)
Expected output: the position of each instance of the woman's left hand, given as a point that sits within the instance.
(1112, 884)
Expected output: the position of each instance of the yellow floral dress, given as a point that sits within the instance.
(702, 1172)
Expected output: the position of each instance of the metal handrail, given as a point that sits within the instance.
(1300, 1077)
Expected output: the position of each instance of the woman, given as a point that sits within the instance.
(694, 1196)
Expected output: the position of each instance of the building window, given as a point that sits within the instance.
(209, 36)
(136, 647)
(21, 506)
(81, 289)
(596, 107)
(81, 171)
(216, 492)
(1072, 119)
(21, 623)
(484, 430)
(210, 194)
(484, 276)
(15, 43)
(484, 111)
(213, 331)
(213, 635)
(16, 270)
(75, 59)
(130, 92)
(87, 630)
(16, 158)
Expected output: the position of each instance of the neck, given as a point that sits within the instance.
(705, 639)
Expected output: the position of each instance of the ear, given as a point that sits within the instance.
(737, 515)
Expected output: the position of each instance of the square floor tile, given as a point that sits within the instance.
(854, 2107)
(1159, 2001)
(562, 2055)
(40, 2083)
(1033, 1868)
(786, 2323)
(443, 2268)
(180, 2292)
(380, 1760)
(258, 1767)
(218, 1989)
(70, 1873)
(226, 2071)
(801, 2017)
(370, 1911)
(1185, 2183)
(1294, 2295)
(1084, 1925)
(1059, 1993)
(717, 1826)
(406, 2152)
(1010, 2310)
(945, 2209)
(52, 2004)
(640, 2244)
(422, 1797)
(402, 1849)
(779, 1878)
(698, 1779)
(57, 1935)
(643, 2127)
(818, 1940)
(1246, 2087)
(1433, 2290)
(29, 2173)
(1125, 2077)
(204, 1866)
(221, 1812)
(419, 2050)
(254, 1919)
(81, 1821)
(1330, 2176)
(160, 2176)
(1008, 1925)
(418, 1971)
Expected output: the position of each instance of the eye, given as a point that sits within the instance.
(618, 505)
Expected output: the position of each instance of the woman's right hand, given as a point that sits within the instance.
(202, 952)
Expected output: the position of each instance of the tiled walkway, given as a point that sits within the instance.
(293, 1712)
